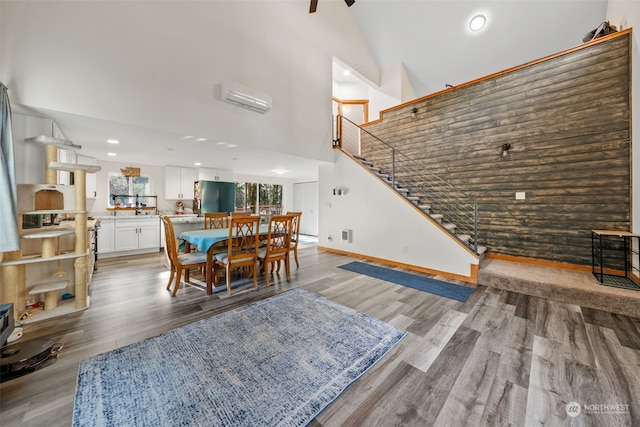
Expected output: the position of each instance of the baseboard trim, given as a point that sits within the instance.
(471, 280)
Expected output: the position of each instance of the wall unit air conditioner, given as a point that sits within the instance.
(237, 94)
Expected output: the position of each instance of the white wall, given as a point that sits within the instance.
(29, 157)
(383, 225)
(157, 65)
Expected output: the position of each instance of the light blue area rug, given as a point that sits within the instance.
(277, 362)
(426, 284)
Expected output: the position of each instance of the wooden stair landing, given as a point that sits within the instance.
(567, 286)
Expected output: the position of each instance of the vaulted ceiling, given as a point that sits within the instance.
(148, 73)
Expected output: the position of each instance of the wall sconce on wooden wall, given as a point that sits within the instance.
(504, 150)
(414, 111)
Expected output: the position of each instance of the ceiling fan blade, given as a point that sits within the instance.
(313, 6)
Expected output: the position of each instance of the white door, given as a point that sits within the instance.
(305, 200)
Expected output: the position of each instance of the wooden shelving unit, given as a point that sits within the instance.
(51, 198)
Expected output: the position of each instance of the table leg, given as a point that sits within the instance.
(209, 273)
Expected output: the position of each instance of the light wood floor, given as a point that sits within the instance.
(499, 359)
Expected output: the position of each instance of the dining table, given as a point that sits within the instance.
(205, 241)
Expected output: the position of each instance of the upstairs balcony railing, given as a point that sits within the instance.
(455, 206)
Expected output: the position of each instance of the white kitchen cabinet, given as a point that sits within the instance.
(178, 183)
(106, 242)
(91, 186)
(208, 174)
(137, 234)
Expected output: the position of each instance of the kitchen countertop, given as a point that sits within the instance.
(180, 219)
(125, 217)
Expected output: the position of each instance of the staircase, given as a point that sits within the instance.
(438, 218)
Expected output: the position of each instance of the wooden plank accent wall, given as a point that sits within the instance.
(567, 119)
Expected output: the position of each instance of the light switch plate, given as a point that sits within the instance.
(521, 195)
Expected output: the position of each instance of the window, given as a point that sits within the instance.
(270, 201)
(265, 199)
(120, 185)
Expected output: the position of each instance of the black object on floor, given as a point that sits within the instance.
(27, 356)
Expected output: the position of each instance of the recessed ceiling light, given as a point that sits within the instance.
(197, 163)
(201, 139)
(221, 143)
(231, 145)
(279, 171)
(111, 154)
(113, 141)
(187, 137)
(477, 22)
(346, 72)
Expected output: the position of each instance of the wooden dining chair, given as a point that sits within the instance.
(215, 220)
(295, 234)
(180, 262)
(242, 249)
(278, 245)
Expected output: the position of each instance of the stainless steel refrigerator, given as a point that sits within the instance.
(214, 196)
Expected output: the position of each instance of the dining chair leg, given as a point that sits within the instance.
(265, 268)
(255, 276)
(295, 255)
(229, 279)
(215, 280)
(173, 272)
(287, 268)
(177, 285)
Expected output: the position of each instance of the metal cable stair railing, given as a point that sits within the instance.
(455, 211)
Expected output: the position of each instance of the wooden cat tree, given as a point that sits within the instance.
(49, 199)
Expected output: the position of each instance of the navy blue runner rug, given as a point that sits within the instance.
(414, 281)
